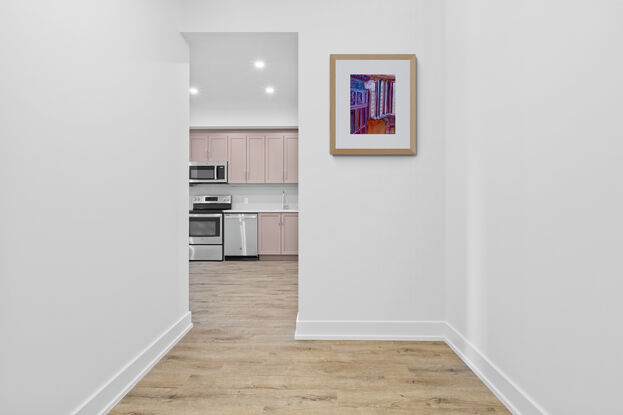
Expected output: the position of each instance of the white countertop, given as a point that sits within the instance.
(259, 209)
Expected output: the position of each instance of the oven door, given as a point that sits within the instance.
(205, 229)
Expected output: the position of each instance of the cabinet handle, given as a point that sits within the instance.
(285, 158)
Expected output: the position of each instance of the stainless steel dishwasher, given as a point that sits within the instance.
(240, 235)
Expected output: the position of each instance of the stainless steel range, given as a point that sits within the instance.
(205, 236)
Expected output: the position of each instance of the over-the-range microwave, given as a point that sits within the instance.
(207, 172)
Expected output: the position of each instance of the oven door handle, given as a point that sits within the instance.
(205, 215)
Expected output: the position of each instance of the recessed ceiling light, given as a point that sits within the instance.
(270, 90)
(259, 64)
(193, 90)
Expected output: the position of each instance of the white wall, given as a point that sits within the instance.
(232, 91)
(533, 195)
(524, 194)
(251, 196)
(371, 228)
(94, 105)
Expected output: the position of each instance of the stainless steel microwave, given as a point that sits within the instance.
(207, 172)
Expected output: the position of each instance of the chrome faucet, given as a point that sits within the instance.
(284, 199)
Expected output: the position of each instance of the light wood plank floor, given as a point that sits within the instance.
(240, 358)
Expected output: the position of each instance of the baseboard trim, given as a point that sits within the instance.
(508, 392)
(516, 400)
(279, 257)
(106, 397)
(369, 330)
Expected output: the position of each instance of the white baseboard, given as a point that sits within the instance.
(508, 392)
(512, 396)
(369, 330)
(106, 397)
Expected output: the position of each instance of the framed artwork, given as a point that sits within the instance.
(372, 104)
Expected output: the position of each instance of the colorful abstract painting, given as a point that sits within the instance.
(372, 104)
(364, 104)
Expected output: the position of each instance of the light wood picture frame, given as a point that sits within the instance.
(375, 101)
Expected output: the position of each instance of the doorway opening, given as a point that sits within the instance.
(243, 182)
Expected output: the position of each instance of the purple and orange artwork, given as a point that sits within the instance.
(372, 104)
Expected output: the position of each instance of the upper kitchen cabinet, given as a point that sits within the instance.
(282, 158)
(291, 158)
(237, 159)
(253, 156)
(217, 147)
(274, 159)
(256, 159)
(198, 146)
(207, 147)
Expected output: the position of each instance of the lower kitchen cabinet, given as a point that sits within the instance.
(278, 233)
(289, 233)
(269, 234)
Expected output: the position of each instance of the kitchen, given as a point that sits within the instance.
(244, 150)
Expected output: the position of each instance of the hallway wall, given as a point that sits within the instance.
(533, 196)
(93, 274)
(371, 228)
(507, 223)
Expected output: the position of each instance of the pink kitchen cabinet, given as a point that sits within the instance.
(217, 147)
(291, 158)
(269, 234)
(237, 159)
(274, 159)
(256, 154)
(253, 156)
(198, 147)
(289, 233)
(278, 233)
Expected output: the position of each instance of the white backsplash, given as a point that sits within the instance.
(261, 196)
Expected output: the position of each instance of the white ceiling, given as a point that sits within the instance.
(232, 90)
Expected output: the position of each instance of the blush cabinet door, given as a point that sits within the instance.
(237, 159)
(291, 158)
(269, 231)
(289, 233)
(198, 147)
(217, 147)
(256, 159)
(274, 159)
(253, 157)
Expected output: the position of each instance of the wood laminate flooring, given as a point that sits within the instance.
(241, 358)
